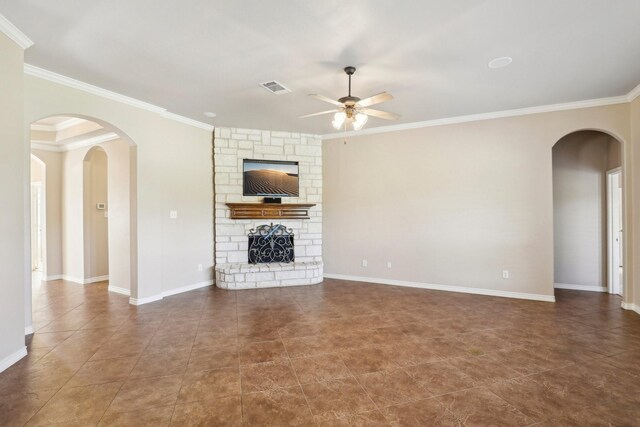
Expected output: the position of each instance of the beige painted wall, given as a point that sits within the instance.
(14, 221)
(614, 154)
(452, 205)
(174, 172)
(53, 202)
(119, 205)
(633, 200)
(73, 265)
(37, 171)
(580, 164)
(96, 225)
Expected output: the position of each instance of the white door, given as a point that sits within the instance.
(614, 231)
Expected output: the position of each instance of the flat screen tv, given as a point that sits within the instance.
(270, 178)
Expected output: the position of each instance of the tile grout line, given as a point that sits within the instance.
(184, 374)
(306, 399)
(78, 370)
(235, 303)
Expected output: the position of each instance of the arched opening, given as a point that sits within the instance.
(91, 219)
(588, 215)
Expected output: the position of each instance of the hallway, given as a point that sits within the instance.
(339, 353)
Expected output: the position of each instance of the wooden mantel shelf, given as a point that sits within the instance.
(270, 210)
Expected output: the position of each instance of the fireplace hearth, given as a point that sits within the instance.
(271, 244)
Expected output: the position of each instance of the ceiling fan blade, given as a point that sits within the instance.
(375, 99)
(380, 114)
(326, 99)
(337, 110)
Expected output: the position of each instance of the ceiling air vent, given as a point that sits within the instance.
(275, 87)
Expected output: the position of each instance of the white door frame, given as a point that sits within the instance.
(611, 234)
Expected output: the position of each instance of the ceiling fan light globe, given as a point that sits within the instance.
(360, 121)
(338, 119)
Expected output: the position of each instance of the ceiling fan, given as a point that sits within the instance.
(352, 109)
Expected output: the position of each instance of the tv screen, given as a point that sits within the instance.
(270, 178)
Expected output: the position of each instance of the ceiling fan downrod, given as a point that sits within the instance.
(349, 100)
(350, 70)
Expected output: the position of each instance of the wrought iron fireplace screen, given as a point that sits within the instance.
(271, 243)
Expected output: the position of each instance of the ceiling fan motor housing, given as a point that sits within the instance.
(349, 100)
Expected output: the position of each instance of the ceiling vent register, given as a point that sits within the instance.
(275, 87)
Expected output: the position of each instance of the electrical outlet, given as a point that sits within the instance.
(388, 264)
(364, 262)
(200, 267)
(173, 214)
(505, 274)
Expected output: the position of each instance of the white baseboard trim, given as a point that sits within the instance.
(12, 358)
(448, 288)
(96, 279)
(28, 330)
(53, 277)
(153, 298)
(187, 288)
(82, 281)
(119, 290)
(145, 300)
(580, 287)
(631, 306)
(73, 279)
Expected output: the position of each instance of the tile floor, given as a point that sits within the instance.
(335, 354)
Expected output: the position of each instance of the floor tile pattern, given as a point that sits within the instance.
(335, 354)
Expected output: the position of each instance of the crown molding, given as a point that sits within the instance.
(114, 96)
(43, 128)
(91, 141)
(44, 146)
(623, 99)
(86, 87)
(71, 122)
(95, 140)
(635, 92)
(14, 33)
(187, 121)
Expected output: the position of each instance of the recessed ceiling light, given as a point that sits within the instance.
(503, 61)
(209, 114)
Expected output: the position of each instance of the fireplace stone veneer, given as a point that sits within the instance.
(252, 276)
(232, 226)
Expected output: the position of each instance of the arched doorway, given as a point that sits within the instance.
(588, 212)
(91, 201)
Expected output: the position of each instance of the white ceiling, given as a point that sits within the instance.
(432, 55)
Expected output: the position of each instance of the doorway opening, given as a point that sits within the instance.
(84, 220)
(588, 212)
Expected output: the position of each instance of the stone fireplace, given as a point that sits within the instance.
(234, 265)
